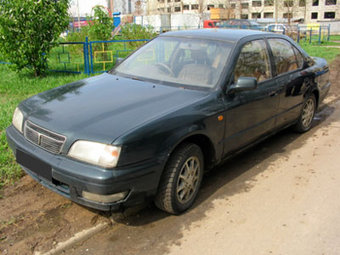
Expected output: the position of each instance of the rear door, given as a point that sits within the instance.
(290, 79)
(250, 114)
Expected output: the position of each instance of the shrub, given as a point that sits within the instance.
(29, 29)
(134, 31)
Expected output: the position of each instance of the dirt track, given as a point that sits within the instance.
(281, 197)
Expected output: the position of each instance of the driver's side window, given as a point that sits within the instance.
(253, 61)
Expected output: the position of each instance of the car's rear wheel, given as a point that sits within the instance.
(307, 114)
(181, 179)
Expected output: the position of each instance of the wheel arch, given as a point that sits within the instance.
(317, 95)
(205, 144)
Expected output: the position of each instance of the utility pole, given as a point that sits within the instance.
(276, 10)
(111, 6)
(78, 15)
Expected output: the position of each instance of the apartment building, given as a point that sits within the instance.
(308, 10)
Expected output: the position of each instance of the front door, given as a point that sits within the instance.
(250, 114)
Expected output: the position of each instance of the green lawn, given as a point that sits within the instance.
(335, 37)
(15, 87)
(315, 50)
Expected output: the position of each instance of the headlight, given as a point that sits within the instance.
(18, 118)
(100, 154)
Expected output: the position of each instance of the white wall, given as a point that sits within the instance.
(177, 20)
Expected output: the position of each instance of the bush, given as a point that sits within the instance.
(134, 31)
(101, 26)
(29, 29)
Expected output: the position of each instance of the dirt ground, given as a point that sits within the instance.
(264, 195)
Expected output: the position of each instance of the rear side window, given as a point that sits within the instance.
(253, 61)
(284, 56)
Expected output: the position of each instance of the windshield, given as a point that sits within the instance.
(181, 61)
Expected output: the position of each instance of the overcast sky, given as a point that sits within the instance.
(85, 6)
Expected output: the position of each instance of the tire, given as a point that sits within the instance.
(181, 179)
(305, 120)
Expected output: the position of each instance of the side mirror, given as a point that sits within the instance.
(243, 84)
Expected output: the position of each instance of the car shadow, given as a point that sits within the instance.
(137, 226)
(243, 167)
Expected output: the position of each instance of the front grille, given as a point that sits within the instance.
(45, 139)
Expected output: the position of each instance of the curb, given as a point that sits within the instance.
(78, 237)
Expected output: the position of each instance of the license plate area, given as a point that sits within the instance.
(35, 165)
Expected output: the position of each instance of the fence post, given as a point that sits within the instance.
(329, 31)
(86, 56)
(91, 58)
(319, 34)
(310, 35)
(298, 34)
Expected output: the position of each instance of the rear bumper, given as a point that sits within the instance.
(70, 177)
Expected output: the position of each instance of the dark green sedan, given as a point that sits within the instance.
(181, 104)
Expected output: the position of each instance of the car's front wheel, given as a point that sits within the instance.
(181, 179)
(307, 114)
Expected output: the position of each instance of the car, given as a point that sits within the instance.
(178, 106)
(239, 23)
(209, 23)
(291, 31)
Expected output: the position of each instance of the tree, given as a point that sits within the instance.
(29, 29)
(101, 24)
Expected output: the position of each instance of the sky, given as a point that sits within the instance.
(85, 6)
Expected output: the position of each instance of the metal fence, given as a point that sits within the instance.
(92, 57)
(103, 54)
(89, 57)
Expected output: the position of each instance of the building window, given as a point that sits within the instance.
(314, 15)
(221, 6)
(233, 6)
(256, 15)
(169, 1)
(209, 6)
(161, 1)
(268, 2)
(244, 16)
(288, 15)
(330, 2)
(194, 7)
(329, 15)
(169, 9)
(244, 5)
(185, 7)
(288, 3)
(268, 15)
(315, 2)
(302, 3)
(177, 0)
(177, 9)
(256, 3)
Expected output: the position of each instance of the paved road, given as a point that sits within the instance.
(282, 197)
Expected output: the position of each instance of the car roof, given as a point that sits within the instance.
(230, 35)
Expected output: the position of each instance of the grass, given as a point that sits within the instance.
(15, 87)
(316, 50)
(335, 37)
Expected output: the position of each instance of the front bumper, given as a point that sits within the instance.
(70, 177)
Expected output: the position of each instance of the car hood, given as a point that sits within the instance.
(104, 107)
